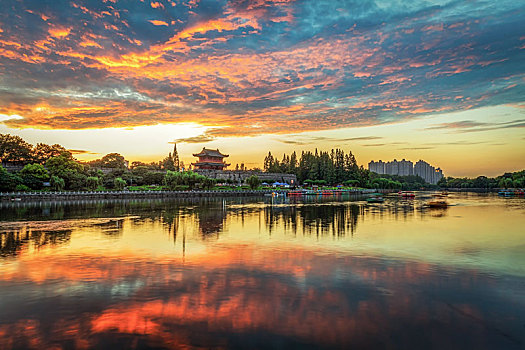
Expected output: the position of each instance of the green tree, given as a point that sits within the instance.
(253, 181)
(110, 161)
(176, 160)
(92, 183)
(172, 179)
(8, 181)
(62, 165)
(208, 183)
(481, 182)
(191, 179)
(42, 152)
(57, 183)
(22, 188)
(34, 175)
(65, 167)
(13, 149)
(269, 162)
(153, 178)
(113, 160)
(293, 163)
(168, 164)
(119, 183)
(36, 170)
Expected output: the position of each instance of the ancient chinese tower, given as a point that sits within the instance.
(210, 159)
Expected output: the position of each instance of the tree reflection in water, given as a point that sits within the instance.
(332, 219)
(258, 273)
(13, 243)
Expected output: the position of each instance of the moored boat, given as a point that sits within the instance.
(296, 193)
(511, 192)
(406, 194)
(507, 193)
(375, 200)
(437, 204)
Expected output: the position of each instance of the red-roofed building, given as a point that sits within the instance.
(210, 159)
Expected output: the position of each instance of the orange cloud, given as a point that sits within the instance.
(156, 5)
(59, 32)
(158, 23)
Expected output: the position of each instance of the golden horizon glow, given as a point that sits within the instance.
(458, 151)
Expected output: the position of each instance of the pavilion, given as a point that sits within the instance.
(210, 159)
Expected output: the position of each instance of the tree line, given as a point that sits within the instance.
(336, 167)
(331, 167)
(507, 180)
(54, 167)
(339, 168)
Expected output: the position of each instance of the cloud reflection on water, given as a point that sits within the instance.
(236, 274)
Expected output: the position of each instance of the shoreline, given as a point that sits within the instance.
(74, 195)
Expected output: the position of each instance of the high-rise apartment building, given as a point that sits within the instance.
(377, 167)
(406, 167)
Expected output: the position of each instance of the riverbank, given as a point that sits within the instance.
(74, 195)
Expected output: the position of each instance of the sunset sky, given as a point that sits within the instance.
(442, 81)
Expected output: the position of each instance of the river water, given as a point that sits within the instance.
(263, 273)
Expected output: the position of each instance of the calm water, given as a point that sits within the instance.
(263, 273)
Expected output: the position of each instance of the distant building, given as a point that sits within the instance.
(438, 175)
(210, 159)
(377, 167)
(406, 168)
(428, 172)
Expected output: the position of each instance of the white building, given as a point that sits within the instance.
(405, 168)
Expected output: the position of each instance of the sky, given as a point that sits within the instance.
(442, 81)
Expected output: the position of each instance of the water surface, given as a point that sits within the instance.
(263, 273)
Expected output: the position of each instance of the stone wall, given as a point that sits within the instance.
(242, 175)
(10, 167)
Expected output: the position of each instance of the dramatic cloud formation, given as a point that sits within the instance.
(252, 67)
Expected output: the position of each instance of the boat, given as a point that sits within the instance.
(511, 193)
(312, 192)
(375, 200)
(296, 193)
(437, 204)
(406, 194)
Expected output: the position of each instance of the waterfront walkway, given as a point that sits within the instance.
(70, 195)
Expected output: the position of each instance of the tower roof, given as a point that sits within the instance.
(210, 153)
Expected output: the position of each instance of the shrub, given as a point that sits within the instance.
(92, 183)
(57, 183)
(119, 183)
(22, 188)
(253, 181)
